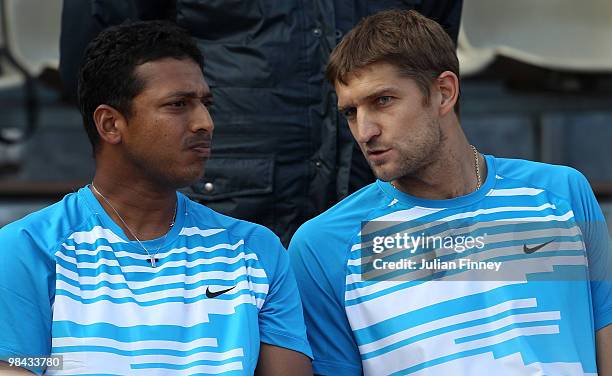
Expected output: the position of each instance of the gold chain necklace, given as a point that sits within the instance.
(476, 168)
(152, 260)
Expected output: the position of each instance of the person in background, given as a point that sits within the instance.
(128, 276)
(529, 294)
(282, 154)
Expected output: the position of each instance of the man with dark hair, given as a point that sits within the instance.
(282, 154)
(128, 276)
(452, 262)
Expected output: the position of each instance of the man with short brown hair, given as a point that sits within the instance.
(453, 262)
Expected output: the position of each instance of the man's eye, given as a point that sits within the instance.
(178, 104)
(385, 99)
(207, 102)
(349, 113)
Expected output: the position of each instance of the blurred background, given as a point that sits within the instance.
(536, 84)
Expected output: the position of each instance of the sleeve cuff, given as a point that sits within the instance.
(286, 341)
(603, 320)
(325, 368)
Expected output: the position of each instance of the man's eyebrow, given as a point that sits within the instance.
(381, 92)
(189, 94)
(377, 93)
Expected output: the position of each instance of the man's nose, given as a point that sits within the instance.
(201, 120)
(367, 127)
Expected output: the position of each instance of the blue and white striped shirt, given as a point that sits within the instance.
(72, 284)
(535, 315)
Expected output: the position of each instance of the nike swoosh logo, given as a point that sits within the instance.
(529, 251)
(210, 294)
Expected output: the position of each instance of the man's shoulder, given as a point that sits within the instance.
(525, 167)
(38, 235)
(560, 180)
(51, 222)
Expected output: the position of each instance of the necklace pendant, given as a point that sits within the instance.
(152, 260)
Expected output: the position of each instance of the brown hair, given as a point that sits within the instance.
(417, 46)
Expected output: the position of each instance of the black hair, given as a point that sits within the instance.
(107, 70)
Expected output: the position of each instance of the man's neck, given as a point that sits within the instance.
(143, 210)
(451, 174)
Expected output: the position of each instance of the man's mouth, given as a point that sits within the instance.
(377, 156)
(202, 149)
(377, 152)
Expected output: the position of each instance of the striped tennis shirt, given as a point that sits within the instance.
(512, 279)
(72, 284)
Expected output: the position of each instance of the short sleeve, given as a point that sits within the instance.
(281, 320)
(596, 237)
(25, 306)
(320, 276)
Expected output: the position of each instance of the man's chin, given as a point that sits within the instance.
(388, 175)
(193, 180)
(187, 179)
(385, 176)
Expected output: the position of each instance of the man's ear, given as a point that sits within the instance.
(448, 86)
(110, 123)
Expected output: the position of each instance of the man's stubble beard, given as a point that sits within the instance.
(165, 173)
(415, 157)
